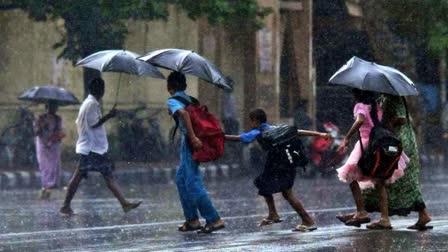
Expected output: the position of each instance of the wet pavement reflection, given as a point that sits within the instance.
(29, 224)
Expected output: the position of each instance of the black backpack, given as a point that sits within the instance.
(380, 158)
(284, 144)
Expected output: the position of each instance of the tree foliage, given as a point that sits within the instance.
(421, 21)
(94, 25)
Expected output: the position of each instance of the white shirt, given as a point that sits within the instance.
(90, 139)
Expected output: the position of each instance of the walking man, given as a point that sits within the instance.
(92, 146)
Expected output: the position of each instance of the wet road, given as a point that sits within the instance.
(28, 224)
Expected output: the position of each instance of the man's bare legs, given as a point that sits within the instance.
(111, 184)
(115, 189)
(71, 190)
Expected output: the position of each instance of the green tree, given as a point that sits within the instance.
(94, 25)
(424, 23)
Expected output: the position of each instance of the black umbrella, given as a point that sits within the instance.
(188, 62)
(365, 75)
(120, 61)
(45, 94)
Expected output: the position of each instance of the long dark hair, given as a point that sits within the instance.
(368, 98)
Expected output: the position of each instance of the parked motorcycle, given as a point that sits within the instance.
(323, 152)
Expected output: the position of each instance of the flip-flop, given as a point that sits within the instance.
(209, 228)
(267, 222)
(420, 227)
(304, 228)
(188, 227)
(378, 226)
(345, 217)
(356, 222)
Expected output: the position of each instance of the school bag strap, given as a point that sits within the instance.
(206, 127)
(186, 102)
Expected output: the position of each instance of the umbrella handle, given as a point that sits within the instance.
(118, 90)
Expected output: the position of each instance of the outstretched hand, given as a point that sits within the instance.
(343, 145)
(326, 136)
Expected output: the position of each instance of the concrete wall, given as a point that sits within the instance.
(28, 59)
(250, 57)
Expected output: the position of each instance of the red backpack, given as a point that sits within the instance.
(206, 127)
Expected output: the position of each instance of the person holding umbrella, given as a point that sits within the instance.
(366, 116)
(92, 146)
(193, 196)
(48, 131)
(396, 117)
(404, 195)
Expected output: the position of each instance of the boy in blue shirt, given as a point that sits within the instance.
(193, 196)
(276, 176)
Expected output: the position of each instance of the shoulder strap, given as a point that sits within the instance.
(186, 102)
(181, 99)
(360, 141)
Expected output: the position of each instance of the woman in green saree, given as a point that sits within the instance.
(404, 196)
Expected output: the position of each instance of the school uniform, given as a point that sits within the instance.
(277, 176)
(192, 193)
(92, 144)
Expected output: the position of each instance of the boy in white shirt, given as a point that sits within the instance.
(92, 146)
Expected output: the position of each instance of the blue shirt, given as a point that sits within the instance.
(174, 105)
(252, 135)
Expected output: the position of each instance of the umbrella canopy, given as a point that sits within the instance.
(365, 75)
(120, 61)
(188, 62)
(45, 94)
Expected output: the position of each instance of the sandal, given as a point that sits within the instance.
(188, 227)
(266, 221)
(305, 228)
(356, 221)
(378, 226)
(209, 228)
(345, 217)
(420, 227)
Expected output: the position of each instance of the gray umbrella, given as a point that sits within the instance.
(365, 75)
(120, 61)
(188, 62)
(45, 94)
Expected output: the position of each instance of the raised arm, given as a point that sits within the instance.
(105, 118)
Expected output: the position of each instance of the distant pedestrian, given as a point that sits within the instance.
(193, 196)
(366, 116)
(48, 130)
(92, 146)
(277, 176)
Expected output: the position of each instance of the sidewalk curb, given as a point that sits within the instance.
(154, 175)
